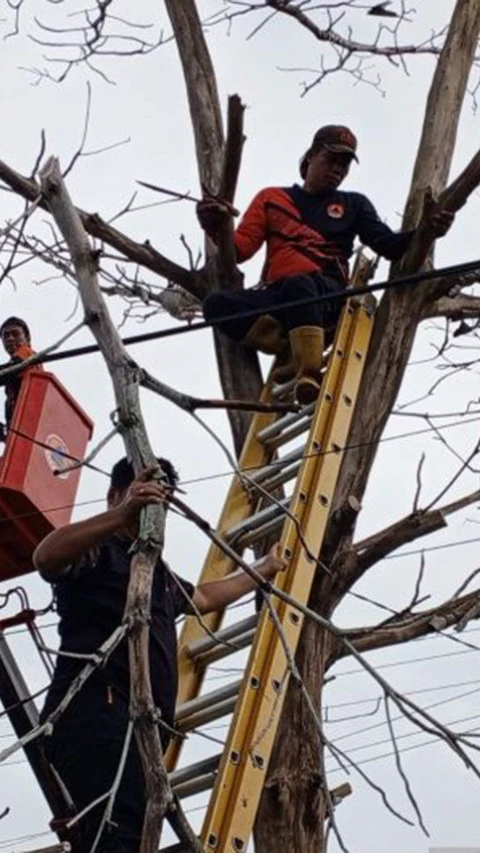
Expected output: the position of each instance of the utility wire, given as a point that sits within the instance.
(54, 449)
(401, 282)
(408, 662)
(278, 463)
(274, 464)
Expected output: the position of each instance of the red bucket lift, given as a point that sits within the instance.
(36, 492)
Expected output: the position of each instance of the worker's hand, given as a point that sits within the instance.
(439, 221)
(213, 212)
(272, 563)
(142, 492)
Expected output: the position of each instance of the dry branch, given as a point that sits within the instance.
(125, 379)
(452, 198)
(141, 253)
(416, 625)
(462, 306)
(349, 566)
(239, 368)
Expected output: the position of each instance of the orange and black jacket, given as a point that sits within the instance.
(306, 233)
(13, 383)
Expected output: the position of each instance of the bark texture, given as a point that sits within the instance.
(218, 166)
(394, 332)
(125, 379)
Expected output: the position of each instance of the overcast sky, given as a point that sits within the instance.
(145, 109)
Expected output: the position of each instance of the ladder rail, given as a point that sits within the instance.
(237, 508)
(233, 804)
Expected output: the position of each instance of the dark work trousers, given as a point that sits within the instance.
(85, 750)
(238, 302)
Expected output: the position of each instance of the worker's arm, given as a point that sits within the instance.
(63, 547)
(391, 244)
(250, 233)
(378, 236)
(219, 594)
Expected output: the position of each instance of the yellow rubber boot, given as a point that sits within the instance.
(267, 335)
(307, 343)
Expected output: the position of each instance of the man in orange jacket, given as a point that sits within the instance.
(309, 232)
(16, 341)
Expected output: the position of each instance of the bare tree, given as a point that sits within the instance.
(296, 806)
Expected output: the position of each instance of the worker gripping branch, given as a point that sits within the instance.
(88, 563)
(16, 341)
(309, 232)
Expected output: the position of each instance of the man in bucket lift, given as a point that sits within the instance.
(16, 341)
(89, 564)
(309, 232)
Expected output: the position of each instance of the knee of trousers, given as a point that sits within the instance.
(297, 286)
(217, 305)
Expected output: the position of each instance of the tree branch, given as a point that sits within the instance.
(141, 253)
(124, 375)
(239, 368)
(403, 629)
(462, 306)
(452, 198)
(399, 312)
(349, 565)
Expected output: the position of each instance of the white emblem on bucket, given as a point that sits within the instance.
(55, 456)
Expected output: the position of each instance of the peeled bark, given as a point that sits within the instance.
(395, 327)
(238, 368)
(292, 810)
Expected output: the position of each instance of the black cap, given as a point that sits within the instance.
(336, 138)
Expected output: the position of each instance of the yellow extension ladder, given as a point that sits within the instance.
(237, 774)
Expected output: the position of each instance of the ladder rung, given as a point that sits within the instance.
(282, 392)
(276, 465)
(232, 634)
(206, 703)
(196, 786)
(283, 476)
(287, 427)
(209, 715)
(267, 529)
(200, 770)
(221, 651)
(257, 522)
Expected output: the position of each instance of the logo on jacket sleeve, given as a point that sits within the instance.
(336, 210)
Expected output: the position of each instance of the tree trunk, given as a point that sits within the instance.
(238, 368)
(293, 807)
(298, 753)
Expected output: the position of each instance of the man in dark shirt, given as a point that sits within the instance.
(88, 562)
(309, 233)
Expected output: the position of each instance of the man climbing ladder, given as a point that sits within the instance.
(309, 233)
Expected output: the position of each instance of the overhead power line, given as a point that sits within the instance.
(400, 282)
(221, 474)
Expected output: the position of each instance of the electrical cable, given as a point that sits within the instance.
(347, 447)
(409, 734)
(400, 282)
(409, 662)
(222, 474)
(81, 463)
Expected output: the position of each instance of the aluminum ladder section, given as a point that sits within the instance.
(196, 648)
(238, 773)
